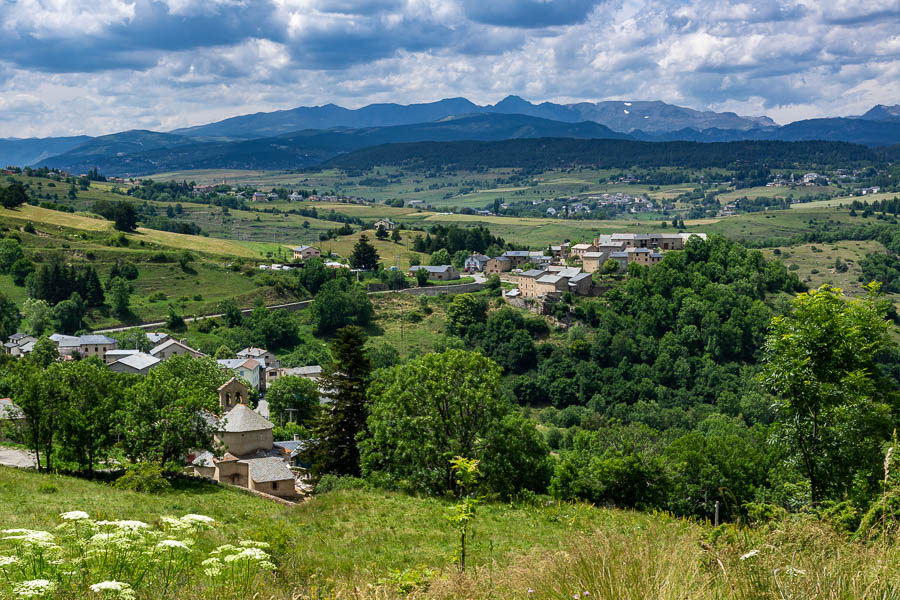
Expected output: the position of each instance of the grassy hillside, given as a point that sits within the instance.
(373, 544)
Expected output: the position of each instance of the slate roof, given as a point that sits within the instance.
(593, 255)
(554, 279)
(168, 343)
(479, 257)
(204, 460)
(302, 248)
(122, 352)
(95, 340)
(9, 410)
(241, 419)
(138, 361)
(268, 469)
(532, 273)
(236, 363)
(431, 269)
(156, 337)
(65, 340)
(516, 253)
(578, 278)
(303, 371)
(618, 255)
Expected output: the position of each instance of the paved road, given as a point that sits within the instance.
(13, 457)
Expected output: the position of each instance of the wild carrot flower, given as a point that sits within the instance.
(34, 588)
(198, 520)
(6, 561)
(30, 537)
(174, 523)
(124, 524)
(114, 589)
(74, 515)
(172, 544)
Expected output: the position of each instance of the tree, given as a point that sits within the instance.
(820, 364)
(464, 311)
(175, 321)
(395, 235)
(13, 196)
(124, 217)
(293, 398)
(364, 255)
(70, 314)
(611, 266)
(10, 252)
(134, 339)
(223, 352)
(20, 270)
(231, 312)
(340, 303)
(459, 259)
(343, 418)
(421, 277)
(443, 405)
(440, 257)
(9, 317)
(166, 414)
(120, 296)
(38, 314)
(381, 233)
(44, 352)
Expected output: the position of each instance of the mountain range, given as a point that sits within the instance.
(308, 136)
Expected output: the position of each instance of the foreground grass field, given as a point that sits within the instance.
(373, 544)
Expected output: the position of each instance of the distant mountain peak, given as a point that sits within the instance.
(883, 112)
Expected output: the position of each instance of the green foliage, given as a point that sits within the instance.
(38, 314)
(343, 418)
(231, 312)
(146, 477)
(20, 270)
(443, 405)
(13, 195)
(340, 303)
(299, 394)
(383, 356)
(9, 317)
(820, 363)
(364, 255)
(69, 314)
(465, 311)
(174, 321)
(441, 257)
(330, 483)
(120, 296)
(461, 514)
(10, 252)
(421, 277)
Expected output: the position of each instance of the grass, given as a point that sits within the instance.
(361, 544)
(394, 326)
(392, 254)
(816, 263)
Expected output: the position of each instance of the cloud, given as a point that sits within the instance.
(98, 66)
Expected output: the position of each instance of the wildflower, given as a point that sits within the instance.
(74, 515)
(172, 544)
(225, 549)
(213, 567)
(6, 561)
(174, 523)
(124, 524)
(790, 570)
(750, 554)
(530, 591)
(253, 544)
(115, 589)
(30, 537)
(198, 520)
(34, 588)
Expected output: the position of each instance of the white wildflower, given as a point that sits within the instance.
(34, 588)
(6, 561)
(198, 520)
(116, 589)
(74, 515)
(213, 567)
(170, 522)
(750, 554)
(172, 544)
(31, 537)
(225, 549)
(790, 570)
(253, 544)
(124, 524)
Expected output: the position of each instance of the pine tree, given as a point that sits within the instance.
(345, 381)
(364, 254)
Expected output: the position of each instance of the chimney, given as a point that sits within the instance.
(296, 437)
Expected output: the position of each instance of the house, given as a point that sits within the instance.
(114, 355)
(96, 345)
(550, 283)
(243, 432)
(19, 344)
(517, 258)
(269, 475)
(537, 257)
(527, 281)
(304, 252)
(261, 354)
(438, 273)
(578, 250)
(592, 261)
(580, 284)
(621, 258)
(11, 418)
(295, 197)
(551, 211)
(500, 264)
(259, 197)
(138, 364)
(158, 337)
(171, 348)
(560, 251)
(386, 224)
(476, 262)
(248, 368)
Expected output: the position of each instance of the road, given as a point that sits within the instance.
(14, 457)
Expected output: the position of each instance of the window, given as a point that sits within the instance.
(274, 485)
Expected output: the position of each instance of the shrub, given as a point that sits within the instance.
(143, 477)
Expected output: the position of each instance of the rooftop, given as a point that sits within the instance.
(242, 419)
(432, 269)
(268, 469)
(138, 361)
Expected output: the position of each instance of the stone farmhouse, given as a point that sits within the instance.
(438, 273)
(305, 252)
(171, 348)
(386, 224)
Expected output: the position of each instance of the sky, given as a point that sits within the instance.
(93, 67)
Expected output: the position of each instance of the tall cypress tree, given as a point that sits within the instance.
(345, 382)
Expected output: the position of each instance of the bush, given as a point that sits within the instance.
(331, 483)
(143, 477)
